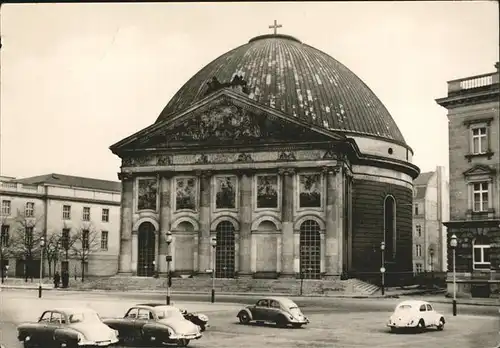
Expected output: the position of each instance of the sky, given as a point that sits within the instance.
(76, 78)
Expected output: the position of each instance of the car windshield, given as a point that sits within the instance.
(168, 313)
(84, 317)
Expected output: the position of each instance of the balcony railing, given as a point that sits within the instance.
(473, 82)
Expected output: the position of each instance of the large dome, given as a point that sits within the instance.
(285, 74)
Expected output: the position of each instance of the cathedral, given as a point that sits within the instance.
(274, 160)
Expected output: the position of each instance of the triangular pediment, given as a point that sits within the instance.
(479, 170)
(226, 119)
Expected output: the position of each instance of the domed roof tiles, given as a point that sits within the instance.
(299, 80)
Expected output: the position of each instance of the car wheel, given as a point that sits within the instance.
(394, 329)
(182, 342)
(421, 325)
(440, 326)
(202, 327)
(297, 326)
(281, 322)
(244, 318)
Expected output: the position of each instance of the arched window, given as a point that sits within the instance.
(310, 250)
(390, 236)
(481, 253)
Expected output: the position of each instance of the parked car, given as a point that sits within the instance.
(73, 327)
(155, 323)
(279, 310)
(196, 318)
(415, 314)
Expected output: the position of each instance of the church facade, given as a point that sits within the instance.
(284, 157)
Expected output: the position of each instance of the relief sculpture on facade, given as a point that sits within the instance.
(310, 191)
(225, 197)
(147, 191)
(185, 193)
(267, 191)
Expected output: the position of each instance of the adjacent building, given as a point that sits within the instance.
(430, 210)
(474, 150)
(283, 156)
(77, 212)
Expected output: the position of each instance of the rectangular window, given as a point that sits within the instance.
(5, 207)
(28, 236)
(418, 250)
(85, 239)
(418, 228)
(104, 240)
(4, 236)
(66, 212)
(481, 256)
(105, 215)
(65, 238)
(30, 209)
(480, 196)
(479, 140)
(418, 267)
(416, 209)
(86, 214)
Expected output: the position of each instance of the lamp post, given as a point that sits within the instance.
(382, 267)
(431, 261)
(1, 261)
(213, 242)
(453, 245)
(42, 245)
(56, 254)
(168, 239)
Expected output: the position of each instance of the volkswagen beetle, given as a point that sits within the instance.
(72, 327)
(279, 310)
(157, 324)
(415, 314)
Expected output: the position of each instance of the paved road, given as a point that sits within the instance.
(334, 322)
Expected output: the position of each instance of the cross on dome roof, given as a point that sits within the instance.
(275, 26)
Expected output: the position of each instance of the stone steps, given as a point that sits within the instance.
(360, 287)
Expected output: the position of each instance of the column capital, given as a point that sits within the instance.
(124, 176)
(286, 171)
(203, 173)
(331, 170)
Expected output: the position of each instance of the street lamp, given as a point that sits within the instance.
(213, 242)
(453, 245)
(1, 260)
(56, 254)
(42, 245)
(382, 267)
(168, 239)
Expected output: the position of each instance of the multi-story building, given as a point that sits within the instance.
(78, 217)
(430, 209)
(474, 150)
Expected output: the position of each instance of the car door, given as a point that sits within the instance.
(274, 310)
(51, 326)
(431, 315)
(423, 313)
(259, 311)
(126, 325)
(143, 317)
(39, 333)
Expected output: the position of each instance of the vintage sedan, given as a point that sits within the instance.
(415, 314)
(279, 310)
(71, 327)
(157, 324)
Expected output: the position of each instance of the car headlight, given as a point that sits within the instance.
(116, 332)
(170, 332)
(80, 337)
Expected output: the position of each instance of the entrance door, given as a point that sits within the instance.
(225, 250)
(310, 250)
(146, 253)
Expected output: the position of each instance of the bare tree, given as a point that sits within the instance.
(83, 242)
(53, 248)
(25, 241)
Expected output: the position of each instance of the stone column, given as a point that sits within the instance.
(165, 215)
(332, 235)
(339, 214)
(135, 252)
(287, 217)
(127, 201)
(245, 233)
(204, 247)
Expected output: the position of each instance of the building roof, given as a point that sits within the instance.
(423, 178)
(281, 72)
(74, 181)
